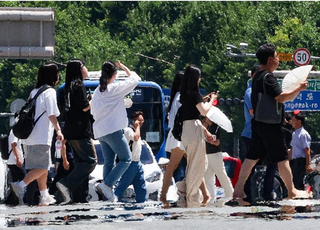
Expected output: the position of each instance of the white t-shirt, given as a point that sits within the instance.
(136, 145)
(108, 109)
(43, 130)
(173, 110)
(12, 158)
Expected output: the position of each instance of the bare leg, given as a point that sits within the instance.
(35, 174)
(286, 176)
(205, 193)
(243, 176)
(176, 155)
(42, 181)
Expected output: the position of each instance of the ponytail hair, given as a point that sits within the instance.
(109, 68)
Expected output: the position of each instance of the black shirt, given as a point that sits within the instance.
(213, 129)
(78, 123)
(189, 109)
(272, 87)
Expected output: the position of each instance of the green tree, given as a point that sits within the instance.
(158, 38)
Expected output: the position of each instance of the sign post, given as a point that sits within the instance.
(301, 57)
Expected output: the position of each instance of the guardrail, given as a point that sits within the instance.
(6, 114)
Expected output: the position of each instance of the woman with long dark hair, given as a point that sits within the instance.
(194, 135)
(77, 131)
(110, 118)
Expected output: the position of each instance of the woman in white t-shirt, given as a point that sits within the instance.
(37, 145)
(110, 118)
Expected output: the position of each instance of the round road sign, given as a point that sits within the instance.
(301, 57)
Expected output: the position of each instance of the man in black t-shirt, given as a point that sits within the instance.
(268, 139)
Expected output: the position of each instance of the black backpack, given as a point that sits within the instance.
(177, 127)
(24, 126)
(4, 147)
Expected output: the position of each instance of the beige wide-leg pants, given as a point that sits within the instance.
(194, 142)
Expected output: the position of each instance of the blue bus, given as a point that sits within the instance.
(147, 97)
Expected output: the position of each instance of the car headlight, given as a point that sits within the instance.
(153, 177)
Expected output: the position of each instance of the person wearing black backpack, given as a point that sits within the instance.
(37, 145)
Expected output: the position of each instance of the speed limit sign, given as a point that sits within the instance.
(301, 57)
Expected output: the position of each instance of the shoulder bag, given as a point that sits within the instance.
(268, 109)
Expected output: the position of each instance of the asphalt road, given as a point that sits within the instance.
(299, 214)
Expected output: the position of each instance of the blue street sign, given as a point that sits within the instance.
(306, 101)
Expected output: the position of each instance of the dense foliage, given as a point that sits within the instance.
(156, 39)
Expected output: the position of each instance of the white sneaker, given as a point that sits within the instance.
(19, 191)
(106, 192)
(45, 201)
(65, 193)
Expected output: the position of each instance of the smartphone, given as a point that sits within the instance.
(214, 137)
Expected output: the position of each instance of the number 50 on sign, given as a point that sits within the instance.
(301, 57)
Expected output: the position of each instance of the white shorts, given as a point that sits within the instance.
(172, 143)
